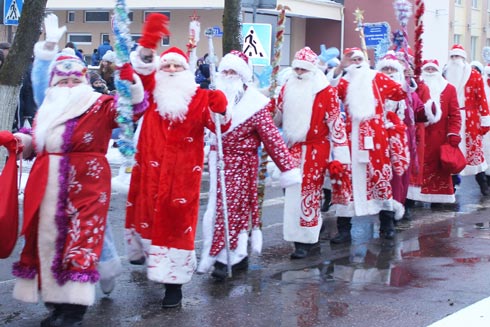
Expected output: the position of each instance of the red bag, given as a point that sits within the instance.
(9, 204)
(452, 159)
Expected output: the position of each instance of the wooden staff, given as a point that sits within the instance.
(359, 14)
(281, 25)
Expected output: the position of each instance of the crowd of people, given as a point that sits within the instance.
(364, 131)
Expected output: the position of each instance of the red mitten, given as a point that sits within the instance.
(484, 130)
(217, 101)
(8, 140)
(393, 117)
(453, 140)
(126, 72)
(335, 168)
(154, 30)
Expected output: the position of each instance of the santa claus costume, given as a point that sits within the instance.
(163, 198)
(377, 142)
(433, 184)
(475, 115)
(311, 121)
(251, 124)
(69, 187)
(408, 110)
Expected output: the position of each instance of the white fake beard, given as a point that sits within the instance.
(57, 101)
(436, 84)
(455, 72)
(231, 86)
(360, 98)
(173, 93)
(298, 106)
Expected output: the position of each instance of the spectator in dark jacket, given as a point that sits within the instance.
(103, 48)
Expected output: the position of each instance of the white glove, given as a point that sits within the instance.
(51, 29)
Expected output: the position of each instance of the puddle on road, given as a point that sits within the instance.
(369, 260)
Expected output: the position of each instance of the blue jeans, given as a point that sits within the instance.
(109, 251)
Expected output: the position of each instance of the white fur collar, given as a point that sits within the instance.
(251, 102)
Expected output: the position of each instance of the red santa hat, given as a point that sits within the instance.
(174, 56)
(306, 59)
(457, 50)
(356, 52)
(67, 66)
(431, 63)
(389, 60)
(237, 61)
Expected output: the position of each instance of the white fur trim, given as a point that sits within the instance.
(342, 154)
(26, 290)
(473, 170)
(414, 193)
(44, 54)
(251, 102)
(135, 247)
(173, 57)
(137, 91)
(357, 54)
(399, 209)
(257, 241)
(71, 292)
(290, 177)
(141, 67)
(432, 118)
(231, 61)
(27, 143)
(457, 52)
(389, 63)
(304, 65)
(171, 265)
(485, 121)
(431, 64)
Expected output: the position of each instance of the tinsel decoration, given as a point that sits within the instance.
(194, 37)
(281, 26)
(381, 49)
(419, 30)
(398, 40)
(122, 48)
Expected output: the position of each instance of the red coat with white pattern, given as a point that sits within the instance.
(474, 116)
(432, 183)
(371, 188)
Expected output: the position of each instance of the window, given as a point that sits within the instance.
(70, 18)
(104, 37)
(97, 16)
(146, 13)
(474, 41)
(458, 2)
(457, 39)
(474, 4)
(80, 38)
(487, 42)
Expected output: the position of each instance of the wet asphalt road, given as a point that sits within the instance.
(437, 266)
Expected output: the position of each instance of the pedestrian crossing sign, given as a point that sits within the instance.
(11, 11)
(257, 43)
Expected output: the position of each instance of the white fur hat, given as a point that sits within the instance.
(65, 66)
(306, 59)
(239, 62)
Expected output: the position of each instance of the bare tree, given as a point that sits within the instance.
(232, 26)
(18, 59)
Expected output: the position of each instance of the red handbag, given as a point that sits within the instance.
(9, 204)
(452, 159)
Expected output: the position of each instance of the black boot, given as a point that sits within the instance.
(456, 181)
(54, 315)
(303, 250)
(387, 227)
(220, 271)
(65, 315)
(481, 179)
(343, 226)
(327, 197)
(173, 296)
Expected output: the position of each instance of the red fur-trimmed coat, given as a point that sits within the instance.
(163, 199)
(372, 162)
(431, 183)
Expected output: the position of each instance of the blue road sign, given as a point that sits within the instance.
(217, 31)
(11, 11)
(375, 32)
(257, 43)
